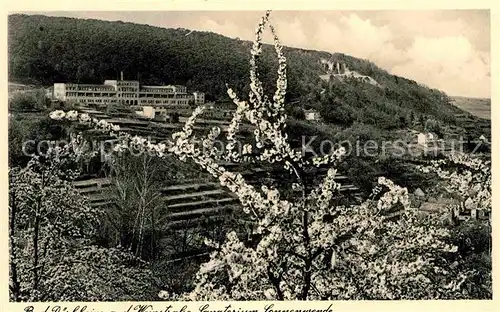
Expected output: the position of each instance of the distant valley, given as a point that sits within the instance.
(479, 107)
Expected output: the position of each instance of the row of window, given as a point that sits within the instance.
(128, 95)
(78, 88)
(80, 93)
(120, 89)
(165, 96)
(184, 103)
(158, 90)
(107, 101)
(125, 89)
(126, 83)
(164, 102)
(98, 100)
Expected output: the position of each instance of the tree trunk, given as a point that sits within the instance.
(36, 233)
(35, 245)
(15, 288)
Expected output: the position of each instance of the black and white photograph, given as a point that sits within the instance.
(263, 155)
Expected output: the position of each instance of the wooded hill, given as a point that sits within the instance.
(44, 50)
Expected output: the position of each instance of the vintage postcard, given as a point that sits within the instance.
(211, 157)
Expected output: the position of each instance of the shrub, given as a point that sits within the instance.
(28, 101)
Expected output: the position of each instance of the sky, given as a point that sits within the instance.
(444, 49)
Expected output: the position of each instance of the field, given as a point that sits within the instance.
(476, 106)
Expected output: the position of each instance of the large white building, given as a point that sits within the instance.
(128, 92)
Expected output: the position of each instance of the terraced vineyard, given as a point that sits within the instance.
(193, 208)
(185, 203)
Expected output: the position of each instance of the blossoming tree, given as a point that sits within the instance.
(53, 254)
(308, 248)
(467, 179)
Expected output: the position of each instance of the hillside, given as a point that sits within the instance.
(44, 50)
